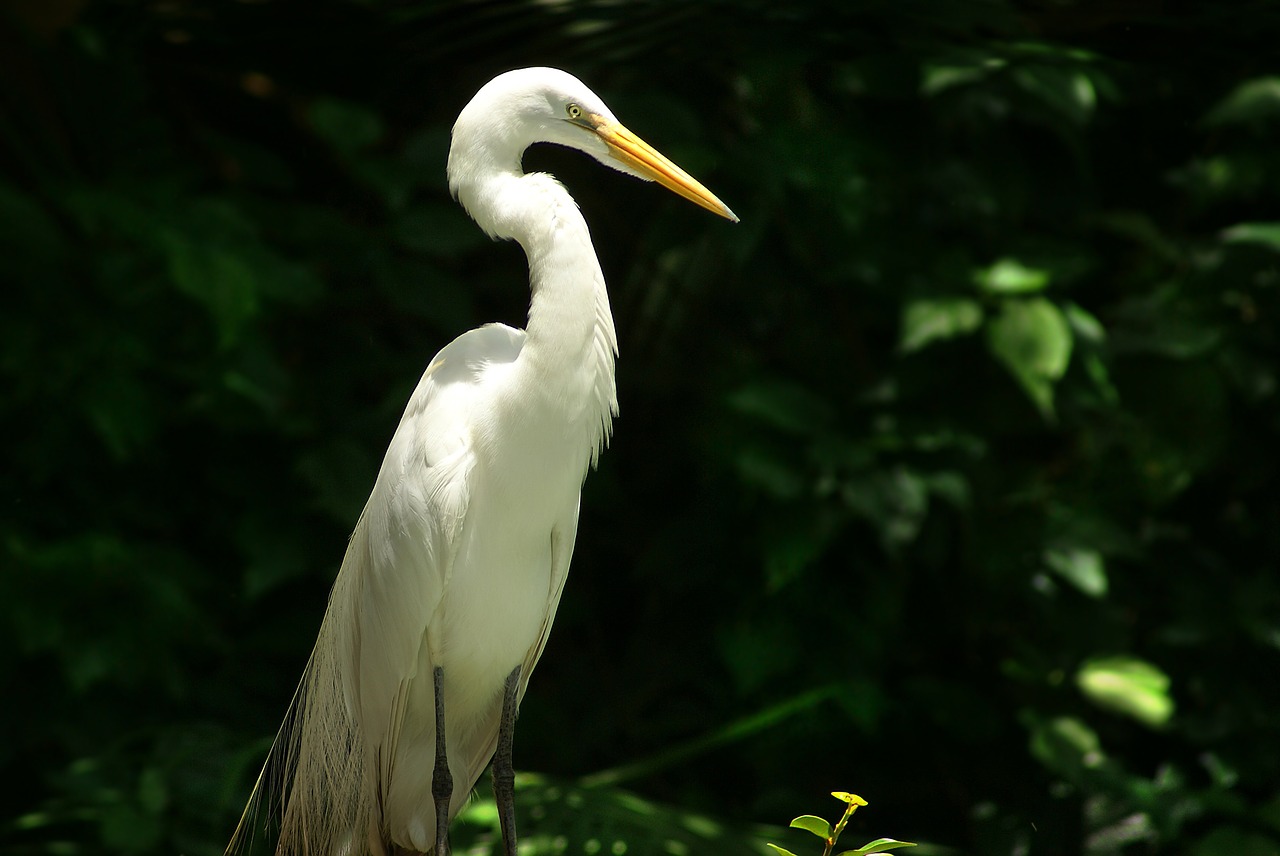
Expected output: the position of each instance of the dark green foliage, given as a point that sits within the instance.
(948, 475)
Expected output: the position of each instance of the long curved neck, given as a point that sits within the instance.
(569, 353)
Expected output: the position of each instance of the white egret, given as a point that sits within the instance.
(453, 574)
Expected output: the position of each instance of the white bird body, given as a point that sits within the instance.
(460, 556)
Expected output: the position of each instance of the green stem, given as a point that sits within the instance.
(835, 833)
(736, 730)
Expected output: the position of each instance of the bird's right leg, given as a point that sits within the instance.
(504, 777)
(441, 780)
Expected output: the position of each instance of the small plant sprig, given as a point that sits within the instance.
(830, 835)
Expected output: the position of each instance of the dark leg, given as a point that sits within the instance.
(441, 780)
(504, 776)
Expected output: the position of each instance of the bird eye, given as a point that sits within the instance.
(575, 112)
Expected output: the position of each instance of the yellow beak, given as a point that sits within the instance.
(648, 161)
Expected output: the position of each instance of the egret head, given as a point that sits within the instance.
(547, 105)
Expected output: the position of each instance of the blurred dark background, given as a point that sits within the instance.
(947, 477)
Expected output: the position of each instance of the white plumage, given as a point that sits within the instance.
(460, 555)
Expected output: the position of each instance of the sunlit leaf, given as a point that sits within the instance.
(851, 799)
(1084, 324)
(1010, 276)
(926, 321)
(880, 845)
(940, 77)
(814, 824)
(1128, 686)
(1033, 340)
(1264, 234)
(1083, 568)
(781, 851)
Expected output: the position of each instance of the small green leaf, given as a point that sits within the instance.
(814, 824)
(880, 845)
(781, 851)
(1084, 324)
(851, 799)
(1066, 746)
(1252, 102)
(1065, 91)
(1033, 340)
(958, 71)
(1010, 276)
(1266, 234)
(1129, 686)
(925, 321)
(1083, 568)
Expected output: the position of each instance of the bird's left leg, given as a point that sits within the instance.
(441, 780)
(504, 776)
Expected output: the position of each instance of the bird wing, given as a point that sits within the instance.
(485, 742)
(339, 742)
(407, 537)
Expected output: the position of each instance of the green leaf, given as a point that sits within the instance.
(1085, 325)
(565, 817)
(1066, 746)
(1083, 568)
(814, 824)
(1033, 340)
(958, 71)
(880, 845)
(1128, 686)
(1067, 92)
(782, 851)
(1266, 234)
(925, 321)
(219, 277)
(895, 501)
(1010, 276)
(1252, 102)
(851, 799)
